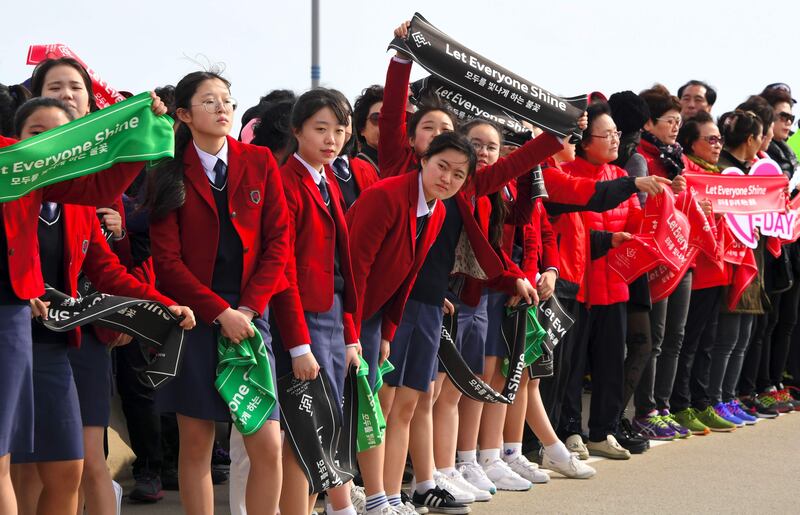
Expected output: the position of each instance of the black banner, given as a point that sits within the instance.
(556, 321)
(457, 65)
(467, 106)
(324, 448)
(513, 330)
(459, 372)
(153, 326)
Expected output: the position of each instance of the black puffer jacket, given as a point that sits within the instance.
(784, 156)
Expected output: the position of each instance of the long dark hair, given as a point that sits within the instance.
(40, 72)
(165, 188)
(11, 98)
(499, 208)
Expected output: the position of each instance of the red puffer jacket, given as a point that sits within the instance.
(650, 154)
(604, 286)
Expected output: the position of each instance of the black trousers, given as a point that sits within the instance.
(553, 389)
(752, 360)
(782, 320)
(639, 346)
(694, 363)
(602, 347)
(143, 421)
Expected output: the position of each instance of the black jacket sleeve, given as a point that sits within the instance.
(607, 195)
(600, 243)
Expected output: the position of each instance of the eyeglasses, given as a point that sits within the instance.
(373, 118)
(786, 117)
(213, 106)
(714, 140)
(610, 135)
(674, 121)
(490, 147)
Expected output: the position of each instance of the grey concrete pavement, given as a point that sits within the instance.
(752, 470)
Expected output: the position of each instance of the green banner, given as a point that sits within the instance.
(372, 424)
(244, 381)
(125, 132)
(534, 335)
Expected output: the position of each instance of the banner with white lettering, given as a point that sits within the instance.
(555, 320)
(457, 369)
(459, 66)
(154, 328)
(312, 422)
(737, 193)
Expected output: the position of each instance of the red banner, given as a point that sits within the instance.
(663, 241)
(104, 94)
(664, 280)
(740, 194)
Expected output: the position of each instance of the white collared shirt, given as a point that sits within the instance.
(316, 175)
(210, 161)
(422, 206)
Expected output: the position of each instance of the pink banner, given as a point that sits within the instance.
(104, 94)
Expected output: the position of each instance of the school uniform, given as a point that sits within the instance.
(226, 246)
(324, 275)
(392, 229)
(353, 176)
(21, 279)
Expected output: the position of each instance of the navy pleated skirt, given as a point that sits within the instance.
(16, 380)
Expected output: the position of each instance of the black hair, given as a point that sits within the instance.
(689, 132)
(593, 112)
(369, 97)
(455, 141)
(165, 188)
(659, 102)
(167, 95)
(497, 219)
(273, 129)
(737, 126)
(11, 97)
(40, 72)
(31, 106)
(775, 96)
(276, 95)
(312, 101)
(350, 147)
(630, 111)
(761, 108)
(428, 105)
(711, 93)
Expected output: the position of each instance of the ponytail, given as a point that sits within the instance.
(164, 189)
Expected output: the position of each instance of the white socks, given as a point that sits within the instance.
(487, 456)
(511, 451)
(557, 452)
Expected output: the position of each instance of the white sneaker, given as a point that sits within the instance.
(457, 479)
(405, 509)
(359, 498)
(117, 495)
(527, 470)
(575, 444)
(461, 495)
(474, 475)
(572, 468)
(504, 478)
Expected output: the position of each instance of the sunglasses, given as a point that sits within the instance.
(714, 140)
(786, 117)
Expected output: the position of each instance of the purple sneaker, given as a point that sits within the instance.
(724, 412)
(680, 431)
(653, 427)
(736, 410)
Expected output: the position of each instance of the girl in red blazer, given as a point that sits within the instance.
(220, 243)
(70, 242)
(324, 276)
(20, 280)
(392, 227)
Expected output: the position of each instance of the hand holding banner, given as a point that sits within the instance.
(457, 65)
(125, 132)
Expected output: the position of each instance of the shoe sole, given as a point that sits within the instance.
(448, 511)
(609, 455)
(146, 499)
(721, 430)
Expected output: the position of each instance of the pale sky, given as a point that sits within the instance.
(568, 47)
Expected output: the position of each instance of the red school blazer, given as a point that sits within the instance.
(315, 235)
(184, 243)
(363, 172)
(385, 254)
(21, 216)
(86, 248)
